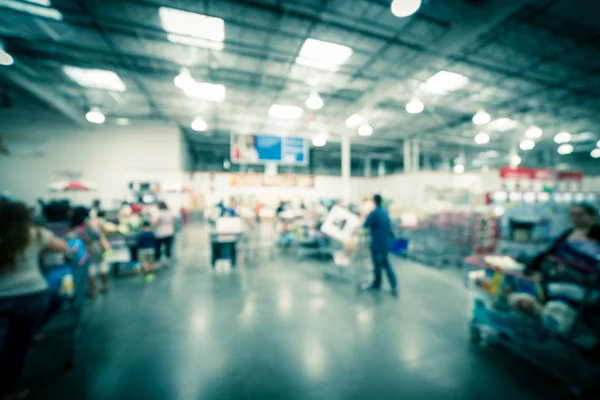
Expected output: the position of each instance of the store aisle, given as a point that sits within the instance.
(279, 331)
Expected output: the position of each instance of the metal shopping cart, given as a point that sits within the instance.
(519, 313)
(351, 262)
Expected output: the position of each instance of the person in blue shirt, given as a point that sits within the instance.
(380, 226)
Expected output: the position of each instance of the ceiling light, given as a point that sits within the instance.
(482, 138)
(192, 29)
(503, 124)
(527, 144)
(459, 168)
(199, 125)
(184, 80)
(534, 132)
(285, 112)
(206, 91)
(122, 121)
(5, 58)
(95, 116)
(355, 120)
(415, 106)
(226, 164)
(565, 149)
(314, 101)
(562, 137)
(515, 160)
(95, 78)
(40, 8)
(481, 118)
(444, 82)
(365, 130)
(598, 143)
(319, 141)
(405, 8)
(323, 55)
(595, 153)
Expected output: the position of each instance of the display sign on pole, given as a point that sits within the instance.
(258, 149)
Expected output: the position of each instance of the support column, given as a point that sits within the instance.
(381, 168)
(407, 158)
(345, 169)
(416, 155)
(368, 171)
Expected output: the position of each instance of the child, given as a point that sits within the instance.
(146, 247)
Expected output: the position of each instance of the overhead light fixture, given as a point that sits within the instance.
(482, 138)
(323, 55)
(565, 149)
(527, 144)
(319, 140)
(184, 80)
(415, 106)
(122, 121)
(95, 116)
(95, 78)
(5, 58)
(503, 124)
(226, 164)
(199, 124)
(192, 29)
(444, 82)
(314, 101)
(40, 8)
(285, 112)
(598, 143)
(515, 161)
(206, 91)
(365, 130)
(595, 153)
(481, 117)
(355, 120)
(459, 168)
(405, 8)
(534, 132)
(562, 137)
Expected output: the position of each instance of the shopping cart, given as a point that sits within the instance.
(519, 313)
(350, 262)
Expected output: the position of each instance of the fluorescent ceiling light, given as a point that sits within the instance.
(534, 132)
(595, 153)
(40, 8)
(562, 137)
(515, 160)
(5, 58)
(565, 149)
(323, 55)
(503, 124)
(482, 138)
(527, 144)
(95, 116)
(206, 91)
(365, 130)
(405, 8)
(415, 106)
(481, 117)
(285, 112)
(199, 125)
(444, 82)
(95, 78)
(459, 168)
(319, 141)
(355, 120)
(314, 101)
(184, 80)
(186, 27)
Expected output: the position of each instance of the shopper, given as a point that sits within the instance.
(380, 226)
(89, 231)
(147, 244)
(584, 218)
(164, 230)
(23, 289)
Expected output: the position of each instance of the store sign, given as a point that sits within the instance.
(569, 176)
(259, 180)
(540, 174)
(258, 149)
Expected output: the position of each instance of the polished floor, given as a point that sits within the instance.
(278, 330)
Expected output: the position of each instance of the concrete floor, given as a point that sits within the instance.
(280, 331)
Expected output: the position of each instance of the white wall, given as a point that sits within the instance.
(108, 156)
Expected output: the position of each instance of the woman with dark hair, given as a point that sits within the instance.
(23, 289)
(584, 218)
(95, 243)
(164, 230)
